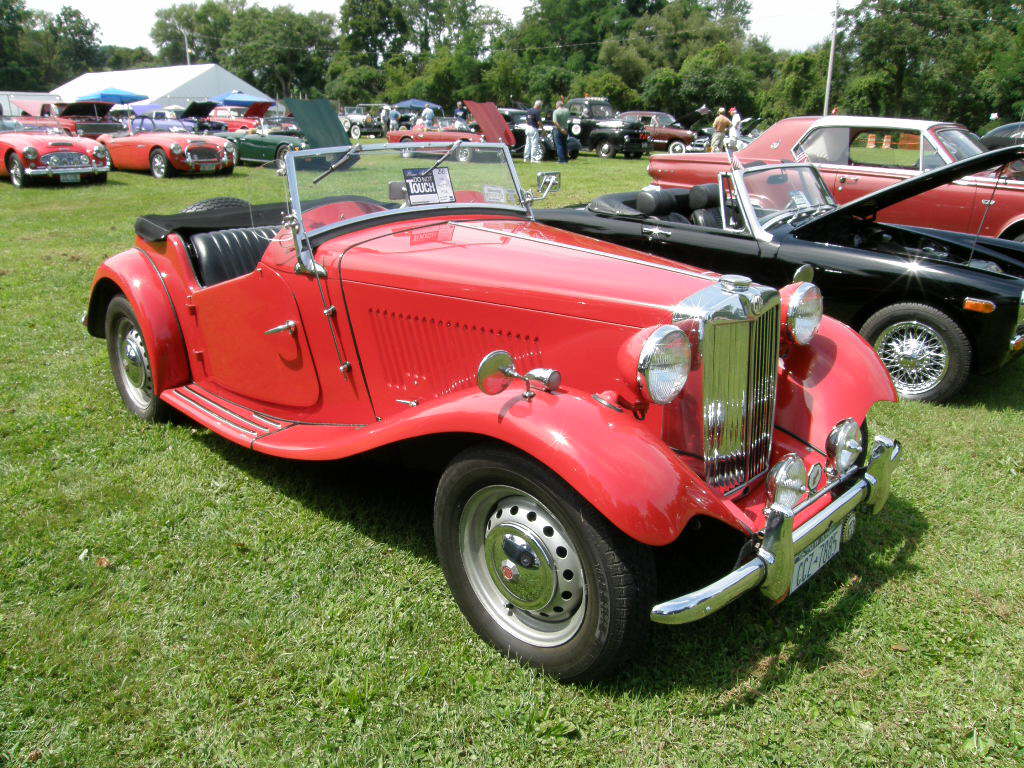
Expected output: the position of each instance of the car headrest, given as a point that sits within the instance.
(704, 196)
(656, 202)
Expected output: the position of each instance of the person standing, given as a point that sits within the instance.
(560, 117)
(532, 152)
(384, 111)
(461, 112)
(734, 125)
(428, 116)
(393, 117)
(719, 127)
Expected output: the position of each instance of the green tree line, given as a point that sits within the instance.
(940, 59)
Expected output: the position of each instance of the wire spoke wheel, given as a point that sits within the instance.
(915, 354)
(523, 566)
(158, 165)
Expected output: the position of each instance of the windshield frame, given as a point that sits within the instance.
(762, 230)
(304, 238)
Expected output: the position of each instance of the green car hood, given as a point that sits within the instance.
(319, 122)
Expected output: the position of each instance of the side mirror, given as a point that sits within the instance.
(497, 370)
(804, 274)
(547, 182)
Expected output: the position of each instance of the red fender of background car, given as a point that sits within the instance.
(132, 274)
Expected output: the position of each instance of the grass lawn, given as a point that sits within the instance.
(256, 612)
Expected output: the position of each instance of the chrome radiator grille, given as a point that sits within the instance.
(66, 160)
(740, 380)
(201, 154)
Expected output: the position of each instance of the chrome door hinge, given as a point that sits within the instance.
(345, 367)
(331, 311)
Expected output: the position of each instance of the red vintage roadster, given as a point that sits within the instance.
(144, 147)
(34, 152)
(590, 401)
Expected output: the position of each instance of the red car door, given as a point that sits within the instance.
(256, 343)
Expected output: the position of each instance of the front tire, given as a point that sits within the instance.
(16, 169)
(606, 149)
(279, 156)
(536, 570)
(355, 132)
(927, 354)
(676, 148)
(130, 362)
(159, 166)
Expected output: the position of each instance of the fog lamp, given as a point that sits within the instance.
(787, 481)
(843, 447)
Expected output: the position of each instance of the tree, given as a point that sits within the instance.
(117, 57)
(716, 77)
(14, 22)
(205, 24)
(798, 87)
(60, 46)
(372, 30)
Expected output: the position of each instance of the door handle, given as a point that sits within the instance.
(289, 327)
(656, 233)
(849, 179)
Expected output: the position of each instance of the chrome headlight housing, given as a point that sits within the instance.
(30, 153)
(100, 152)
(176, 148)
(664, 364)
(843, 447)
(787, 481)
(802, 311)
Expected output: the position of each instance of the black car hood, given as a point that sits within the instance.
(97, 109)
(198, 109)
(318, 121)
(868, 206)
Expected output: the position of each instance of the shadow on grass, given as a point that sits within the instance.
(742, 652)
(1001, 390)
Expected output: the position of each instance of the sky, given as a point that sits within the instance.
(789, 24)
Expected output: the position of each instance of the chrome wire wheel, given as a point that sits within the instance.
(915, 354)
(677, 148)
(17, 171)
(132, 365)
(523, 566)
(279, 161)
(158, 165)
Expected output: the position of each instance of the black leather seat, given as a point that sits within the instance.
(704, 200)
(665, 204)
(228, 253)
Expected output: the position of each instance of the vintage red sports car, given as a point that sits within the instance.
(79, 118)
(491, 124)
(33, 152)
(144, 147)
(861, 155)
(241, 118)
(588, 402)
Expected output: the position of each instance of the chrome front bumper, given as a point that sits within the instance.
(771, 568)
(61, 171)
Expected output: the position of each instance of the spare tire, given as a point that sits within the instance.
(216, 204)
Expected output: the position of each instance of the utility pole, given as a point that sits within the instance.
(831, 59)
(188, 51)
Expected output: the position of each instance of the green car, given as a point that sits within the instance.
(263, 148)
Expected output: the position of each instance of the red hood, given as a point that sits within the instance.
(259, 109)
(526, 264)
(33, 108)
(492, 124)
(184, 138)
(44, 142)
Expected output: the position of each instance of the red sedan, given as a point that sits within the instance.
(32, 152)
(167, 153)
(861, 155)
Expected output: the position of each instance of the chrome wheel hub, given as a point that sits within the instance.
(133, 363)
(159, 165)
(522, 565)
(915, 354)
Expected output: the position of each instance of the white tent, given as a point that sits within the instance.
(161, 85)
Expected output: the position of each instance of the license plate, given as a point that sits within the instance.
(811, 560)
(70, 178)
(207, 169)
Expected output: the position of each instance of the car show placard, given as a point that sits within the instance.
(429, 187)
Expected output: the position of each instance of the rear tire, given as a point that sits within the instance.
(574, 600)
(927, 354)
(130, 362)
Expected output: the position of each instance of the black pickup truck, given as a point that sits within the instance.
(595, 123)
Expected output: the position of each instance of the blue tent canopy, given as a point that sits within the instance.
(115, 95)
(239, 99)
(418, 104)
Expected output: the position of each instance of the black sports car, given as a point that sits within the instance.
(936, 305)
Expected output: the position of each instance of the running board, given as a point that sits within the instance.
(236, 423)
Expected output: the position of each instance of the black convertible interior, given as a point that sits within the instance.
(699, 206)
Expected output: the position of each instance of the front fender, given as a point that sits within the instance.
(837, 376)
(612, 460)
(132, 274)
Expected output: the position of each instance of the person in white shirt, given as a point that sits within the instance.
(428, 116)
(734, 130)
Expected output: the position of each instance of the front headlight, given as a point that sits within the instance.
(176, 148)
(100, 152)
(843, 447)
(801, 311)
(664, 364)
(31, 153)
(787, 481)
